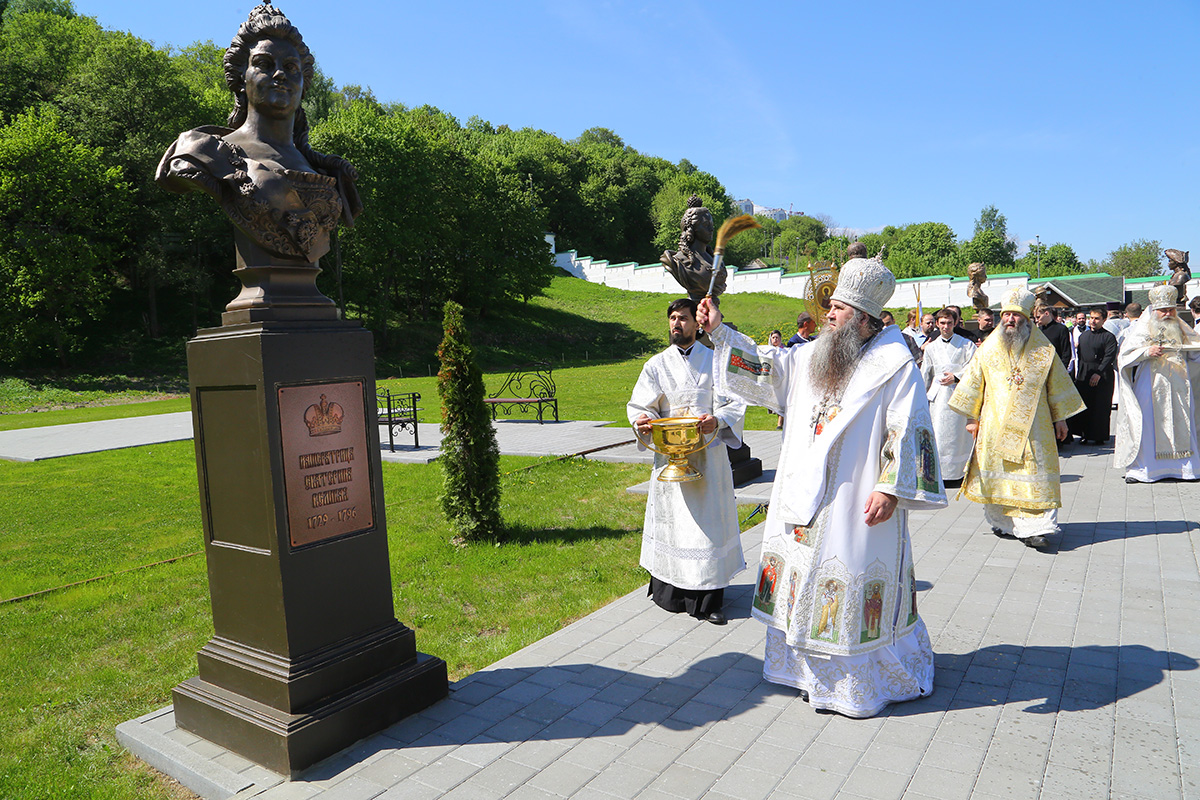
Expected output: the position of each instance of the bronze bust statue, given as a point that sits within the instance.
(691, 264)
(283, 197)
(1177, 261)
(977, 274)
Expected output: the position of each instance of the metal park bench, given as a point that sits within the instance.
(398, 411)
(528, 386)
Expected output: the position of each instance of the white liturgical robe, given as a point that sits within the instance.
(954, 442)
(691, 538)
(838, 597)
(1160, 401)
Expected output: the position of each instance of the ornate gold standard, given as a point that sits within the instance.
(307, 656)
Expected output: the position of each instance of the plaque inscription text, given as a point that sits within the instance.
(325, 465)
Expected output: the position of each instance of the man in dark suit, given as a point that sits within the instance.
(1056, 332)
(1095, 375)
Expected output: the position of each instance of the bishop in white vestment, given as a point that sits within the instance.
(1160, 395)
(836, 584)
(946, 359)
(691, 543)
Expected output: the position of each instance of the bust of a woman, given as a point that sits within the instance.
(284, 197)
(691, 264)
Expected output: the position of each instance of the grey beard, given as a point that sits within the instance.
(1015, 338)
(837, 354)
(1166, 330)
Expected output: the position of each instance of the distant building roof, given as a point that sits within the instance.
(1092, 289)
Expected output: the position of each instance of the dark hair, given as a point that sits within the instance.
(777, 333)
(1194, 305)
(948, 311)
(803, 318)
(1134, 308)
(683, 302)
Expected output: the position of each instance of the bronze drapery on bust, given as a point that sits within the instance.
(283, 197)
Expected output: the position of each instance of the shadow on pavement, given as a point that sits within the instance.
(1082, 534)
(1052, 679)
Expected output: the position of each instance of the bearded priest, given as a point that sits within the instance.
(1016, 395)
(1160, 381)
(836, 584)
(691, 544)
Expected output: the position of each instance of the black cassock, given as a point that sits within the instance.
(1097, 356)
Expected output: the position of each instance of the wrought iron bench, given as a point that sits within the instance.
(528, 386)
(398, 411)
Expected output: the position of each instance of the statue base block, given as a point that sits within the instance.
(288, 743)
(745, 467)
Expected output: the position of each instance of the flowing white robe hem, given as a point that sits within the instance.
(854, 686)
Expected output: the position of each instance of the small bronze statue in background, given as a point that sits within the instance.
(691, 264)
(977, 274)
(1177, 260)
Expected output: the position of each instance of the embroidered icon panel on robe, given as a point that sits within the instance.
(793, 588)
(827, 622)
(929, 478)
(872, 611)
(769, 570)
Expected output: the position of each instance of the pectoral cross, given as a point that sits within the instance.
(822, 413)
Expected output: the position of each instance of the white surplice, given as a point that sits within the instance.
(1156, 430)
(690, 538)
(839, 598)
(954, 442)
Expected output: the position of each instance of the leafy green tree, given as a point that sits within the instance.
(132, 100)
(40, 52)
(1056, 260)
(470, 456)
(924, 248)
(988, 249)
(1140, 258)
(671, 200)
(990, 244)
(10, 9)
(440, 221)
(62, 217)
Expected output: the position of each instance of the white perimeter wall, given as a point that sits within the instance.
(934, 292)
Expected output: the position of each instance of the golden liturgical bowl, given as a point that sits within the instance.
(677, 438)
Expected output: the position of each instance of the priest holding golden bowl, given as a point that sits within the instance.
(691, 545)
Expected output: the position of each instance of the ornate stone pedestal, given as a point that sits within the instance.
(307, 657)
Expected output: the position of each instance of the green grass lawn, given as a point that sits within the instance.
(76, 662)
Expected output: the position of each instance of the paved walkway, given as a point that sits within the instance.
(1064, 674)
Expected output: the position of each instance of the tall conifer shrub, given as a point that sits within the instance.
(470, 456)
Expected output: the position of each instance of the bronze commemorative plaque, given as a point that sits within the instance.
(326, 465)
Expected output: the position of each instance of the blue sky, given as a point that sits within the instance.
(1077, 120)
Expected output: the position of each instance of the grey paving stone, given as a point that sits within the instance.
(877, 784)
(708, 756)
(745, 784)
(390, 769)
(353, 788)
(594, 754)
(683, 781)
(935, 781)
(561, 778)
(445, 773)
(624, 781)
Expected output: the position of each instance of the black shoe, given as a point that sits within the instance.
(804, 695)
(715, 617)
(1131, 480)
(1036, 542)
(1002, 534)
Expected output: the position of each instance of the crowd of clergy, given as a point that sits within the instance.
(877, 421)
